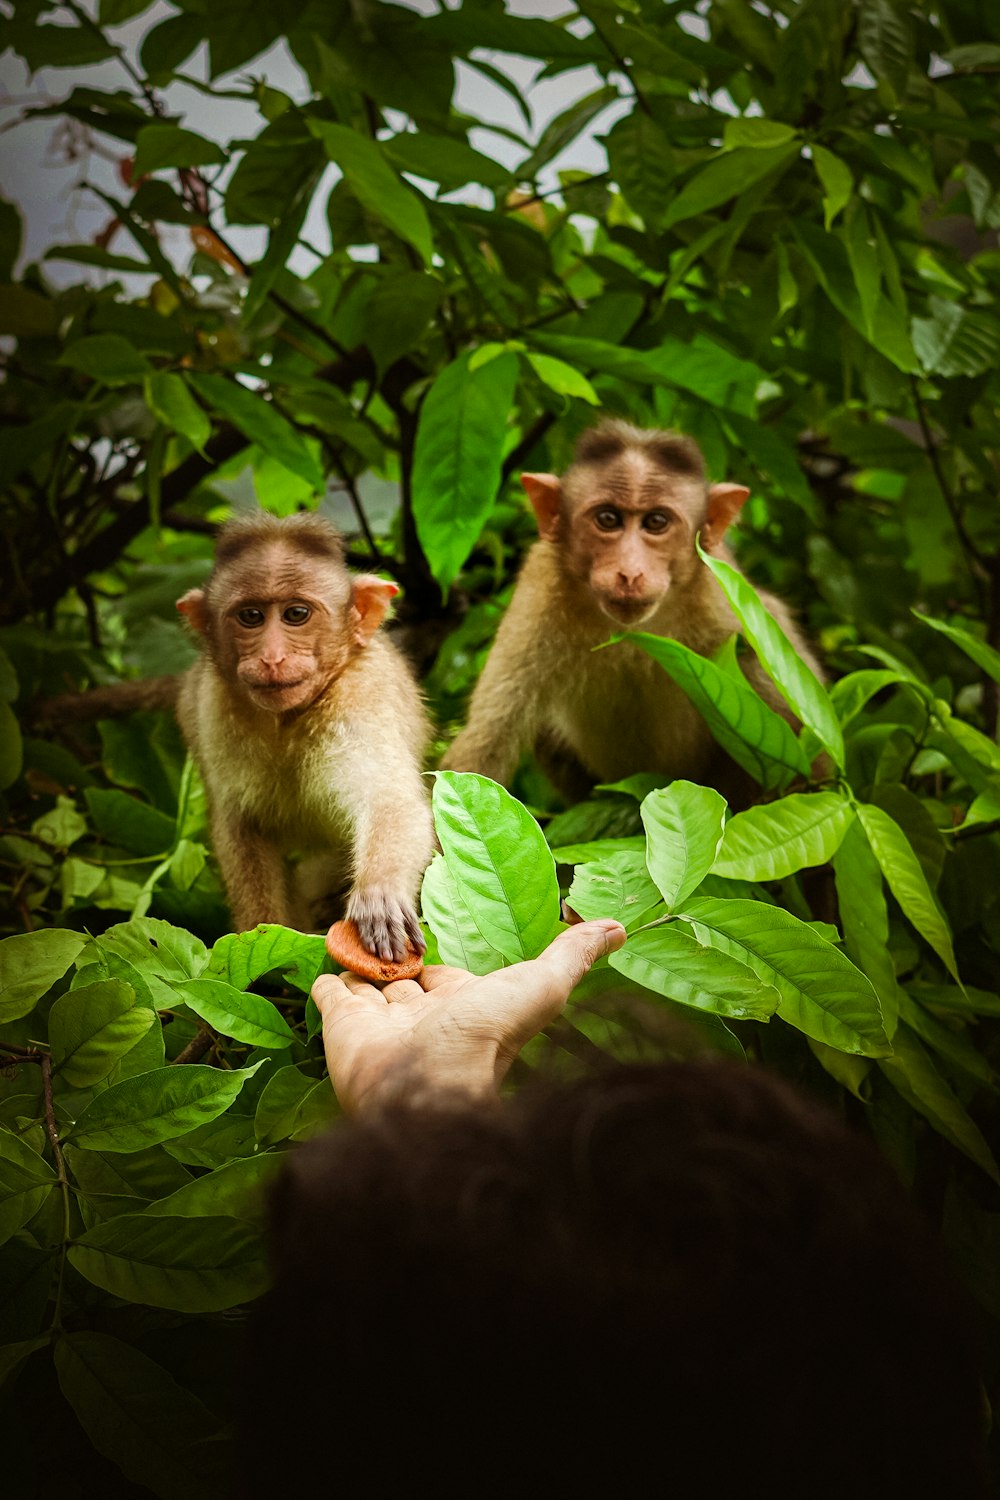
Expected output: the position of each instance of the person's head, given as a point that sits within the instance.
(665, 1276)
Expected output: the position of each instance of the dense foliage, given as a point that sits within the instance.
(791, 254)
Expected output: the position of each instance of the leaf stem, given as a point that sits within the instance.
(53, 1135)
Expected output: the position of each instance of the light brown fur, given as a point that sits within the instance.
(309, 737)
(597, 716)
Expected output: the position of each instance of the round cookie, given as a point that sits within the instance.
(344, 945)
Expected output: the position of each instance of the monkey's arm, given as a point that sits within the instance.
(389, 812)
(506, 711)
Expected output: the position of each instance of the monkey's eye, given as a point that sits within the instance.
(296, 614)
(656, 521)
(607, 518)
(250, 616)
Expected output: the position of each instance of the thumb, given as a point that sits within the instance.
(571, 954)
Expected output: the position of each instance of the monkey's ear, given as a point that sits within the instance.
(545, 492)
(192, 604)
(369, 605)
(725, 501)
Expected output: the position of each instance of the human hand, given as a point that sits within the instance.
(447, 1029)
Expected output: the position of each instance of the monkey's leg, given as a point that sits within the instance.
(254, 873)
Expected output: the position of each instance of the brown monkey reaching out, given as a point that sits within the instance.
(307, 728)
(616, 550)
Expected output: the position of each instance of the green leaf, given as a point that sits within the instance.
(852, 692)
(246, 1018)
(671, 962)
(591, 849)
(30, 964)
(497, 854)
(27, 314)
(457, 463)
(124, 1184)
(292, 1106)
(190, 1265)
(232, 1191)
(159, 146)
(907, 881)
(261, 423)
(952, 1043)
(451, 163)
(864, 918)
(169, 399)
(684, 826)
(47, 46)
(619, 886)
(107, 357)
(822, 993)
(11, 747)
(26, 1180)
(983, 655)
(562, 378)
(885, 41)
(240, 958)
(12, 1356)
(913, 1074)
(756, 132)
(157, 1106)
(378, 189)
(446, 913)
(125, 820)
(838, 184)
(727, 176)
(774, 840)
(956, 341)
(90, 1028)
(757, 738)
(796, 682)
(93, 255)
(136, 1415)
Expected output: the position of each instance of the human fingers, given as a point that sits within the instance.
(432, 976)
(328, 992)
(573, 952)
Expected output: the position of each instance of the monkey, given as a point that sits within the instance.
(616, 551)
(307, 727)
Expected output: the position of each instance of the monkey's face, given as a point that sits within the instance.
(630, 536)
(279, 632)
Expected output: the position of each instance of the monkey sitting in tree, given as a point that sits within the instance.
(616, 551)
(307, 727)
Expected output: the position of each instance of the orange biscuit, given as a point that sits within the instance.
(344, 945)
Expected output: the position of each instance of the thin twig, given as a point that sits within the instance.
(196, 1048)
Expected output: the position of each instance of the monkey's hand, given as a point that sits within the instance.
(448, 1030)
(388, 925)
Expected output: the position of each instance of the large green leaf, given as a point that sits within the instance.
(240, 958)
(591, 849)
(907, 881)
(92, 1027)
(755, 736)
(169, 399)
(157, 1106)
(771, 841)
(232, 1191)
(684, 825)
(619, 886)
(447, 914)
(796, 681)
(159, 146)
(956, 341)
(107, 357)
(725, 177)
(190, 1265)
(912, 1072)
(292, 1106)
(30, 964)
(458, 457)
(260, 423)
(136, 1414)
(852, 692)
(822, 993)
(497, 855)
(864, 918)
(246, 1018)
(984, 656)
(26, 1179)
(376, 186)
(671, 962)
